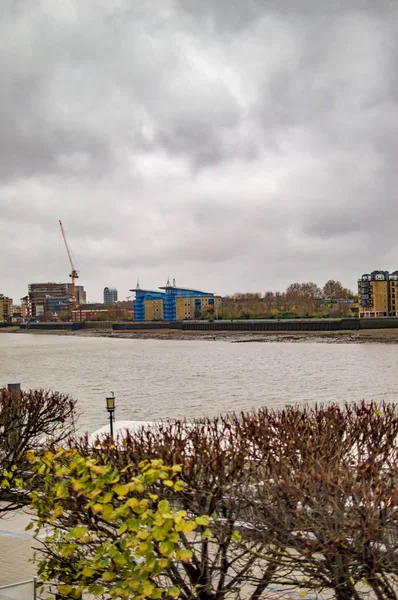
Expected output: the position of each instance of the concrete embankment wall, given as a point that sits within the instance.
(386, 323)
(148, 326)
(245, 325)
(97, 324)
(52, 326)
(242, 325)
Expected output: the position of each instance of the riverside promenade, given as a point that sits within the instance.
(16, 549)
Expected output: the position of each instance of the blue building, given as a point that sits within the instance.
(173, 303)
(143, 300)
(174, 310)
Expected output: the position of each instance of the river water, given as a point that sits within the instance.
(158, 379)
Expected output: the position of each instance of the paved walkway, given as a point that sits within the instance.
(16, 550)
(15, 556)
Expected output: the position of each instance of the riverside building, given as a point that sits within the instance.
(34, 304)
(110, 295)
(172, 303)
(378, 294)
(5, 308)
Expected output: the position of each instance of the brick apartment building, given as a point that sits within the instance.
(378, 294)
(52, 297)
(5, 308)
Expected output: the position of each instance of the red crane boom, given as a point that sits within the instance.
(74, 273)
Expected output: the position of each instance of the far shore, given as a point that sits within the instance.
(380, 336)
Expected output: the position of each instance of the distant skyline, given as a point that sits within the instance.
(236, 146)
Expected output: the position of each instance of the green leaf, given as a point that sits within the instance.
(96, 589)
(174, 592)
(67, 550)
(166, 548)
(207, 534)
(61, 491)
(123, 528)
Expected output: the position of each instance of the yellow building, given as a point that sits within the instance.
(189, 308)
(377, 294)
(185, 309)
(173, 303)
(153, 310)
(5, 308)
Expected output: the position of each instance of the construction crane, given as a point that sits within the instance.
(74, 273)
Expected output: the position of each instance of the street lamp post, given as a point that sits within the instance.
(110, 407)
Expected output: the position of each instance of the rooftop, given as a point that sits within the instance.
(140, 289)
(184, 289)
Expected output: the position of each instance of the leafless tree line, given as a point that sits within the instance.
(301, 499)
(299, 298)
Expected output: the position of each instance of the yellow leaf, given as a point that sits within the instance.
(98, 470)
(79, 532)
(202, 520)
(207, 534)
(107, 512)
(186, 527)
(121, 490)
(107, 497)
(184, 555)
(166, 548)
(67, 550)
(236, 536)
(147, 588)
(65, 590)
(131, 503)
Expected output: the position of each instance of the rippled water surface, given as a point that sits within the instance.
(155, 379)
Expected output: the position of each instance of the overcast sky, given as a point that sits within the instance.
(235, 145)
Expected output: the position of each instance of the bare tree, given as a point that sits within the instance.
(303, 297)
(328, 490)
(335, 290)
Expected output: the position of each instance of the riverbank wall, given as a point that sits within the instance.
(238, 325)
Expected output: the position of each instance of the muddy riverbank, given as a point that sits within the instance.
(381, 336)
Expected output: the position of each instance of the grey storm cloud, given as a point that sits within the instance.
(234, 145)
